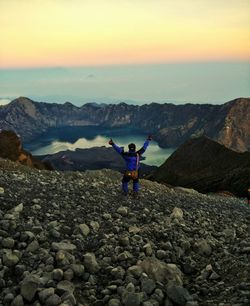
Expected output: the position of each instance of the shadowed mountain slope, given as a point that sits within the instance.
(206, 166)
(91, 159)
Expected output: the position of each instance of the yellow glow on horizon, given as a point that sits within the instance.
(77, 32)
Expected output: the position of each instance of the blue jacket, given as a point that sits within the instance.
(131, 157)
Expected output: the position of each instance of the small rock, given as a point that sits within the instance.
(229, 233)
(29, 287)
(18, 301)
(160, 254)
(85, 230)
(1, 190)
(178, 295)
(124, 241)
(136, 271)
(63, 246)
(246, 250)
(148, 286)
(160, 271)
(18, 208)
(45, 294)
(33, 246)
(57, 274)
(147, 248)
(9, 297)
(90, 263)
(114, 302)
(8, 243)
(122, 210)
(95, 226)
(107, 216)
(118, 272)
(36, 201)
(134, 229)
(78, 269)
(214, 276)
(65, 286)
(9, 258)
(68, 274)
(131, 298)
(203, 247)
(124, 256)
(68, 297)
(53, 300)
(177, 213)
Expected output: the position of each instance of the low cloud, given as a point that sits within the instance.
(90, 76)
(4, 101)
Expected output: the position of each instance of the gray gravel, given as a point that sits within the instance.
(74, 239)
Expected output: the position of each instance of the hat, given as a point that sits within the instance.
(131, 147)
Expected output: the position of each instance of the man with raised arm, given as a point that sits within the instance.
(132, 159)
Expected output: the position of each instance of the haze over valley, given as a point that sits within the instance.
(179, 83)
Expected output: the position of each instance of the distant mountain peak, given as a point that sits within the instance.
(22, 100)
(68, 104)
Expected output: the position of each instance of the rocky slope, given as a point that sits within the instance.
(90, 159)
(206, 166)
(73, 239)
(11, 148)
(171, 124)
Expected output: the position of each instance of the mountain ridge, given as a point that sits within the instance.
(171, 124)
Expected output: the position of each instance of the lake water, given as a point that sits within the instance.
(71, 138)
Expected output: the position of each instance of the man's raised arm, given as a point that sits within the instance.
(145, 145)
(116, 147)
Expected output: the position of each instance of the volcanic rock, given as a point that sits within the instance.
(11, 148)
(202, 260)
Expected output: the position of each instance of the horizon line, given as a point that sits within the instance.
(179, 62)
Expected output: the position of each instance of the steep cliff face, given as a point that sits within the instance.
(171, 124)
(11, 148)
(206, 166)
(30, 119)
(235, 133)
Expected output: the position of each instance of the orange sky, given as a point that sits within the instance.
(44, 33)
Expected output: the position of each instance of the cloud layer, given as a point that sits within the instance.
(4, 101)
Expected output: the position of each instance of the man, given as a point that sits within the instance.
(132, 159)
(248, 196)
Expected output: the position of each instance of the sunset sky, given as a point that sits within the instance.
(52, 33)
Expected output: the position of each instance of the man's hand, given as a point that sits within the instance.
(149, 137)
(111, 142)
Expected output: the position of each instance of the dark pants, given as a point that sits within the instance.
(125, 182)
